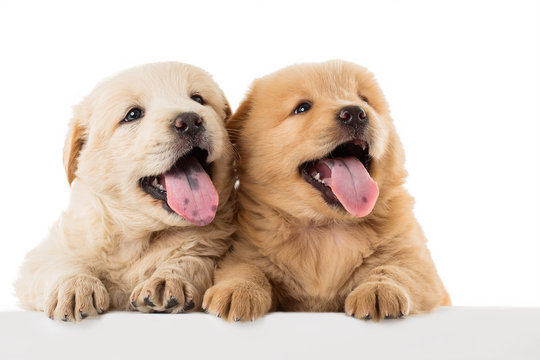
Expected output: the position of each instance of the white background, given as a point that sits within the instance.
(462, 79)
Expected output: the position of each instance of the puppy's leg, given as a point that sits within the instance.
(51, 281)
(241, 292)
(397, 288)
(77, 297)
(378, 299)
(176, 286)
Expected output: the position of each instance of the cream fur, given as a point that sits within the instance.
(116, 247)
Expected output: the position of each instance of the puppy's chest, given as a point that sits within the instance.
(324, 261)
(122, 258)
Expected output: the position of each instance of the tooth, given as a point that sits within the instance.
(156, 184)
(322, 181)
(318, 177)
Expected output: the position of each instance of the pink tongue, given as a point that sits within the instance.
(351, 184)
(190, 192)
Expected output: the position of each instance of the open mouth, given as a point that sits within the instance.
(343, 178)
(186, 188)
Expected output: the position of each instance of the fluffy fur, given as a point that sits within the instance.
(116, 247)
(295, 252)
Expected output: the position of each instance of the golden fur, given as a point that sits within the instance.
(294, 252)
(116, 247)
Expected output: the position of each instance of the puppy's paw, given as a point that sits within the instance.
(76, 298)
(377, 300)
(237, 300)
(171, 295)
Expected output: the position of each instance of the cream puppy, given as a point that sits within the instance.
(150, 168)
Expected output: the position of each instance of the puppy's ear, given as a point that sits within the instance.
(235, 122)
(228, 111)
(75, 140)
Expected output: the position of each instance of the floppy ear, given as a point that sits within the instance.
(75, 140)
(228, 111)
(235, 122)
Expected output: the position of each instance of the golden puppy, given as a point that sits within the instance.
(324, 221)
(150, 164)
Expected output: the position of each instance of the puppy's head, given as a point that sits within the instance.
(317, 141)
(151, 143)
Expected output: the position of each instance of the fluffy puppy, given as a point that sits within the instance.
(150, 167)
(324, 221)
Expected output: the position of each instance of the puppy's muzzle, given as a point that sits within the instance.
(353, 117)
(189, 124)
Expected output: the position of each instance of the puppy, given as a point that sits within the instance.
(324, 221)
(150, 167)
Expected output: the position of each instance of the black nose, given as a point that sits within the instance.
(188, 123)
(353, 116)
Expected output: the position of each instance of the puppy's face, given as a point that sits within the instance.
(151, 141)
(317, 141)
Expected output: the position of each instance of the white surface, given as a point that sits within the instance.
(461, 77)
(448, 333)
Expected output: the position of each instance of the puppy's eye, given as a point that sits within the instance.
(198, 98)
(364, 99)
(302, 108)
(133, 114)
